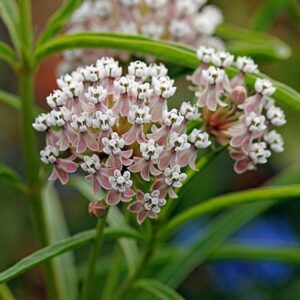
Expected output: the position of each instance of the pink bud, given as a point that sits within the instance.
(97, 208)
(238, 94)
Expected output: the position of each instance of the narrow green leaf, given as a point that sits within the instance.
(63, 246)
(258, 43)
(219, 230)
(5, 293)
(294, 12)
(57, 21)
(11, 178)
(10, 16)
(268, 12)
(10, 100)
(171, 52)
(7, 54)
(64, 265)
(157, 289)
(115, 219)
(288, 254)
(217, 203)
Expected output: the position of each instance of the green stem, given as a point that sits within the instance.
(144, 261)
(113, 274)
(5, 293)
(31, 160)
(88, 282)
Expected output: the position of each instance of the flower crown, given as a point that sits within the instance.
(119, 130)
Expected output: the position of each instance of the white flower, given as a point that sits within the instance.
(90, 73)
(172, 117)
(179, 142)
(139, 115)
(56, 99)
(82, 122)
(189, 111)
(179, 29)
(205, 54)
(208, 19)
(120, 182)
(124, 84)
(222, 59)
(138, 69)
(59, 117)
(150, 150)
(112, 70)
(258, 153)
(113, 145)
(130, 2)
(275, 141)
(163, 86)
(264, 87)
(157, 70)
(189, 7)
(91, 164)
(269, 102)
(102, 8)
(156, 3)
(276, 116)
(49, 155)
(73, 89)
(143, 91)
(246, 65)
(153, 30)
(213, 76)
(42, 122)
(255, 123)
(199, 139)
(104, 120)
(96, 94)
(174, 176)
(153, 202)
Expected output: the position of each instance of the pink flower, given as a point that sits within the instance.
(61, 166)
(214, 82)
(98, 175)
(178, 146)
(137, 116)
(117, 157)
(251, 127)
(172, 121)
(171, 178)
(263, 88)
(120, 189)
(147, 205)
(82, 124)
(145, 165)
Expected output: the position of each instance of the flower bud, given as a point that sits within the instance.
(97, 208)
(238, 94)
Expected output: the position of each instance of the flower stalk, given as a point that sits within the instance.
(88, 281)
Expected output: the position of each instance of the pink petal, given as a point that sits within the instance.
(212, 99)
(238, 140)
(145, 172)
(81, 143)
(140, 195)
(71, 134)
(62, 175)
(192, 160)
(165, 159)
(137, 166)
(154, 171)
(91, 142)
(127, 153)
(53, 175)
(131, 136)
(135, 207)
(141, 217)
(241, 166)
(104, 181)
(202, 99)
(67, 165)
(172, 193)
(128, 194)
(113, 198)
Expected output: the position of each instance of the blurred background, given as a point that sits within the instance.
(228, 279)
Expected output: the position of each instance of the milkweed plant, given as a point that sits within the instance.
(112, 120)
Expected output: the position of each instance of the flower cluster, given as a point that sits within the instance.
(187, 21)
(113, 125)
(231, 116)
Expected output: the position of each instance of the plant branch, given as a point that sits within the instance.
(88, 282)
